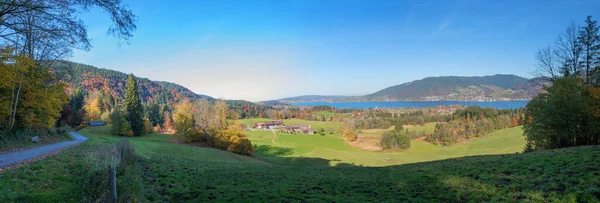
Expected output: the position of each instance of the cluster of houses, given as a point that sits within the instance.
(279, 125)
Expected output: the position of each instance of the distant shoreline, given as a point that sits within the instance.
(503, 104)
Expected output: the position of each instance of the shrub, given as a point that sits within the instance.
(147, 126)
(194, 135)
(398, 127)
(105, 117)
(348, 134)
(157, 128)
(394, 139)
(232, 139)
(82, 126)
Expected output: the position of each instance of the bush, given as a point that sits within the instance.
(120, 126)
(82, 126)
(348, 134)
(194, 135)
(157, 128)
(399, 127)
(232, 139)
(105, 117)
(147, 126)
(394, 139)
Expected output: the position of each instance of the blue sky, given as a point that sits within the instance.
(260, 50)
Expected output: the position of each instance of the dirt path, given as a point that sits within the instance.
(16, 157)
(274, 136)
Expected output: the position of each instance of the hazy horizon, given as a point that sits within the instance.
(265, 50)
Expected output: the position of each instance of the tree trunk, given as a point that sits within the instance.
(14, 111)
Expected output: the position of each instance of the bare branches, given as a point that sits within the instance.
(47, 29)
(568, 50)
(563, 57)
(547, 66)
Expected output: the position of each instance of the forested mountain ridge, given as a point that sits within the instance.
(455, 88)
(495, 87)
(181, 89)
(89, 78)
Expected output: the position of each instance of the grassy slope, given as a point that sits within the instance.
(23, 140)
(333, 148)
(183, 173)
(428, 127)
(325, 113)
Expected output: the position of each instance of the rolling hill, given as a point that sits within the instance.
(449, 88)
(495, 87)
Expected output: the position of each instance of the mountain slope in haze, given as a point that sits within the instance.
(89, 78)
(495, 87)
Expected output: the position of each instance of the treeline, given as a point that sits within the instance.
(240, 109)
(473, 122)
(364, 118)
(420, 118)
(568, 112)
(371, 123)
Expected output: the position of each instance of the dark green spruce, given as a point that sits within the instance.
(133, 109)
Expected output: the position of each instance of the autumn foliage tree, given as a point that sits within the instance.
(348, 134)
(40, 97)
(183, 120)
(92, 106)
(220, 111)
(514, 122)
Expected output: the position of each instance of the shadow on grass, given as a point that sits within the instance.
(274, 151)
(278, 155)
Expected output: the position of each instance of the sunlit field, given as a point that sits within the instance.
(331, 149)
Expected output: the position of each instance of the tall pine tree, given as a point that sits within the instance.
(133, 108)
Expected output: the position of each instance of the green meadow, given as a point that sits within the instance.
(298, 149)
(181, 173)
(428, 127)
(325, 113)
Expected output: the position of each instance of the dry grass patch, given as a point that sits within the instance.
(368, 142)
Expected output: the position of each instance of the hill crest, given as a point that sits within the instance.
(449, 88)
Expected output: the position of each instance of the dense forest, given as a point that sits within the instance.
(89, 79)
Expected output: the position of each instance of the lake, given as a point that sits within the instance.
(414, 104)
